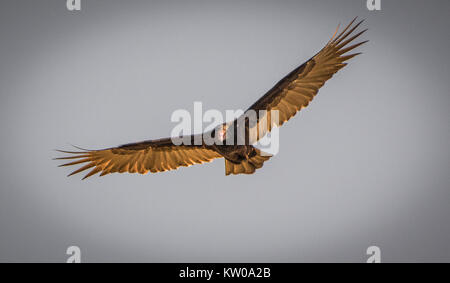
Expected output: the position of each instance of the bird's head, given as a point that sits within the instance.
(220, 133)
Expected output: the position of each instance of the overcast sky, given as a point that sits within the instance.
(365, 164)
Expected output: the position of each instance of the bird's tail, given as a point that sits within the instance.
(248, 166)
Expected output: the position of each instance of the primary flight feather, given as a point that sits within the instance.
(288, 96)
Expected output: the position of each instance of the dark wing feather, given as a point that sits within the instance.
(154, 156)
(299, 87)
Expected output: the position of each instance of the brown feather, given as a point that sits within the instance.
(298, 88)
(153, 156)
(291, 94)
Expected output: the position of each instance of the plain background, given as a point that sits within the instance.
(367, 163)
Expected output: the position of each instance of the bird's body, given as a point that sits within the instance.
(294, 92)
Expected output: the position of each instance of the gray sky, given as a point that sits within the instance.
(365, 164)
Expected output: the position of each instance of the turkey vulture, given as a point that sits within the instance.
(288, 96)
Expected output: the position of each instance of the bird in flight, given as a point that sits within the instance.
(291, 94)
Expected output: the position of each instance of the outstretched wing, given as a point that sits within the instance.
(299, 87)
(154, 156)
